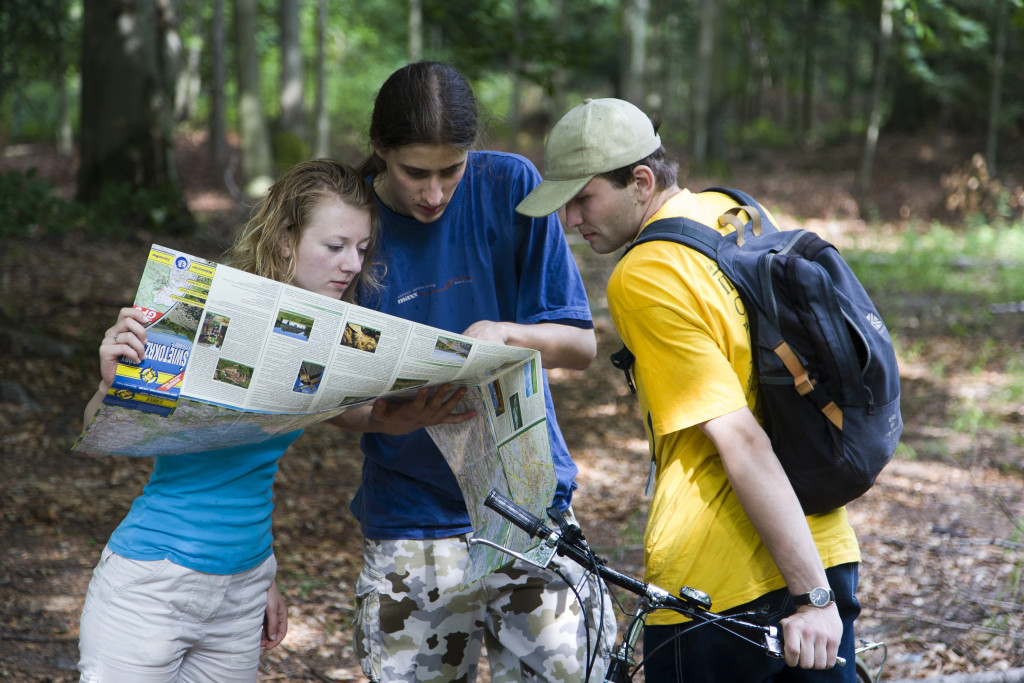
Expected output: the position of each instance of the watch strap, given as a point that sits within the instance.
(805, 598)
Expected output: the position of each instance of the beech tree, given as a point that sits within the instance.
(885, 31)
(127, 107)
(292, 91)
(218, 142)
(257, 160)
(321, 139)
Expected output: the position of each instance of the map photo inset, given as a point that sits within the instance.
(497, 399)
(307, 381)
(360, 337)
(355, 400)
(214, 328)
(230, 372)
(517, 414)
(450, 349)
(405, 383)
(294, 325)
(530, 379)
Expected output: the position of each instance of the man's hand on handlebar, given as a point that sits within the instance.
(811, 637)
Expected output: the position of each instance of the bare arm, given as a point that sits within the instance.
(430, 407)
(126, 338)
(560, 346)
(812, 634)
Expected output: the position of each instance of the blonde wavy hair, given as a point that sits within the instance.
(281, 218)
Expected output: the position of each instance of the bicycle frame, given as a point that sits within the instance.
(694, 604)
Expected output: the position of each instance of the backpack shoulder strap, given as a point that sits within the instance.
(687, 231)
(738, 196)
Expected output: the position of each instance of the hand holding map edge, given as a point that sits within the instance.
(398, 415)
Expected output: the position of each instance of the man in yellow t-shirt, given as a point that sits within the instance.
(724, 518)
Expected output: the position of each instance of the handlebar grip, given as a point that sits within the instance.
(514, 513)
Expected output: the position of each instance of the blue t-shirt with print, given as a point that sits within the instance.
(209, 512)
(479, 261)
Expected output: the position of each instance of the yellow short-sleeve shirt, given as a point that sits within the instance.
(687, 327)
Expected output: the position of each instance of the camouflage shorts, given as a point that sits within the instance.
(415, 622)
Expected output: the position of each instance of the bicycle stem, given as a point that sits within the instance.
(692, 603)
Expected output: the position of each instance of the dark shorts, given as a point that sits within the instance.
(713, 655)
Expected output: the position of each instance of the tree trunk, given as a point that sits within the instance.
(321, 143)
(850, 57)
(996, 96)
(415, 30)
(257, 161)
(636, 19)
(218, 143)
(65, 130)
(702, 87)
(878, 90)
(291, 71)
(189, 85)
(810, 40)
(187, 81)
(559, 100)
(515, 112)
(673, 47)
(65, 134)
(127, 100)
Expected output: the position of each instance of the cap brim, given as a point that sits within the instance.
(550, 196)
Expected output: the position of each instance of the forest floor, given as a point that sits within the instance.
(940, 532)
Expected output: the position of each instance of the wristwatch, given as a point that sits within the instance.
(818, 597)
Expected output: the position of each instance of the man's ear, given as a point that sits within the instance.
(646, 183)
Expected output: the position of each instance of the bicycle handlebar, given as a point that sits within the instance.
(516, 514)
(533, 526)
(692, 603)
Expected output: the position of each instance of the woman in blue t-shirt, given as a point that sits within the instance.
(184, 590)
(460, 258)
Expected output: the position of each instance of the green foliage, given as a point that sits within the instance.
(28, 206)
(122, 209)
(32, 112)
(769, 58)
(38, 39)
(584, 40)
(941, 291)
(764, 132)
(983, 262)
(289, 149)
(945, 55)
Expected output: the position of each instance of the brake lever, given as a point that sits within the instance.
(538, 557)
(773, 645)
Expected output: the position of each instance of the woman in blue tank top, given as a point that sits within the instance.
(184, 590)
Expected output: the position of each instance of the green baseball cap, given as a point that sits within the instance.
(595, 137)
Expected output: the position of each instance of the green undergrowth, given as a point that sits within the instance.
(31, 207)
(953, 299)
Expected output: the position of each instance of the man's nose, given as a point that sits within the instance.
(573, 218)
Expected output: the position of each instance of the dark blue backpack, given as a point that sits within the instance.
(829, 385)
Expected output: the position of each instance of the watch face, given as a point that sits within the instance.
(819, 597)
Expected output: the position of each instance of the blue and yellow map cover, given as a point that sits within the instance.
(172, 294)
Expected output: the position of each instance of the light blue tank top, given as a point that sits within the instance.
(209, 512)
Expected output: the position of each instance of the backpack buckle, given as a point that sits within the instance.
(623, 360)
